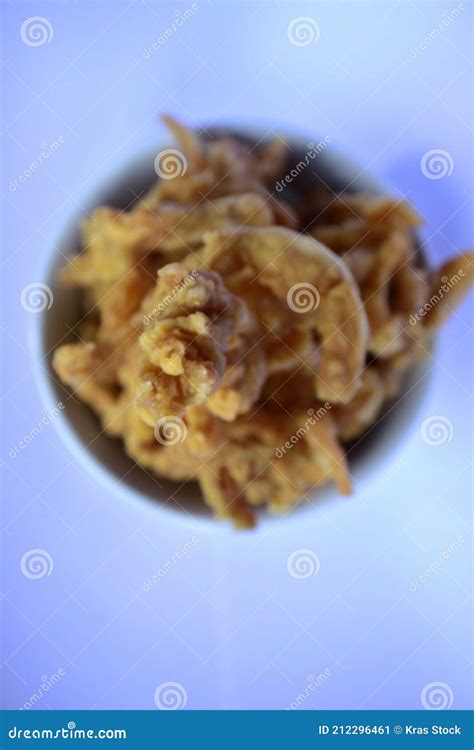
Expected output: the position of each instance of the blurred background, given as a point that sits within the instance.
(383, 618)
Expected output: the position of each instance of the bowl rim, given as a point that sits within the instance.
(67, 432)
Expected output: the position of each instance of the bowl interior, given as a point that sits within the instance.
(79, 427)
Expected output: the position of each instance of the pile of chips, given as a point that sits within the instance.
(246, 341)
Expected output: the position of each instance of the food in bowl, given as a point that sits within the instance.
(242, 337)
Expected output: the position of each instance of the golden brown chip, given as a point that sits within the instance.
(313, 290)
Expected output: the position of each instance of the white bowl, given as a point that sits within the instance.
(79, 429)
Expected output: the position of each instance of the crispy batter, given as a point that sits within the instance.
(223, 346)
(449, 285)
(182, 226)
(311, 290)
(354, 418)
(195, 347)
(258, 464)
(85, 368)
